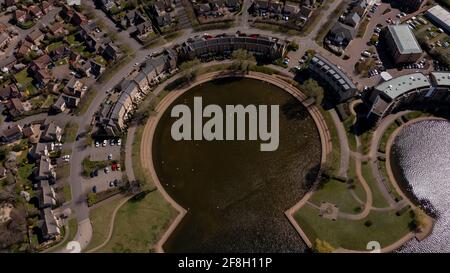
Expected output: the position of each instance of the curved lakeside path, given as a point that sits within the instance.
(146, 146)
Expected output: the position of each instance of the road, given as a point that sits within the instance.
(77, 183)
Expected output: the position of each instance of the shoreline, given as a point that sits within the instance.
(150, 127)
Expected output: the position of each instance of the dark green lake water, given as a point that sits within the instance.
(235, 194)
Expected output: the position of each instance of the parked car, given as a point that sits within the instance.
(94, 189)
(111, 142)
(119, 142)
(97, 144)
(110, 157)
(104, 143)
(111, 184)
(106, 170)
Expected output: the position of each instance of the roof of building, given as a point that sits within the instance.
(441, 14)
(403, 84)
(334, 72)
(404, 39)
(441, 78)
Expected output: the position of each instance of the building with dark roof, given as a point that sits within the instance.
(342, 85)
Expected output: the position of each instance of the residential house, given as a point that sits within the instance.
(341, 35)
(47, 197)
(111, 52)
(50, 225)
(35, 37)
(24, 48)
(360, 8)
(31, 132)
(20, 16)
(57, 29)
(70, 101)
(275, 7)
(40, 63)
(42, 77)
(11, 134)
(78, 19)
(15, 107)
(144, 29)
(59, 53)
(132, 18)
(46, 6)
(4, 40)
(352, 19)
(9, 91)
(60, 105)
(305, 13)
(10, 3)
(7, 62)
(96, 69)
(52, 133)
(75, 88)
(35, 12)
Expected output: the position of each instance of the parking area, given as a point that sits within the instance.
(102, 181)
(107, 152)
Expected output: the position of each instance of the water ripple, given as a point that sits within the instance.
(422, 153)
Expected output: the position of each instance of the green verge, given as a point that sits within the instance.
(70, 132)
(338, 193)
(386, 228)
(139, 224)
(378, 198)
(100, 220)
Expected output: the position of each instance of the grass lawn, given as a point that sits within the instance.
(85, 102)
(350, 135)
(67, 193)
(63, 171)
(140, 223)
(24, 172)
(389, 130)
(23, 78)
(334, 158)
(54, 46)
(100, 220)
(378, 198)
(89, 165)
(336, 192)
(386, 228)
(70, 132)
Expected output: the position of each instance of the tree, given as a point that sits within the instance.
(323, 246)
(242, 59)
(189, 69)
(292, 46)
(91, 198)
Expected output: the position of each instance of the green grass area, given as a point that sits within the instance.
(378, 199)
(54, 46)
(334, 159)
(139, 224)
(392, 191)
(67, 193)
(348, 123)
(386, 228)
(24, 172)
(85, 102)
(100, 220)
(366, 140)
(389, 130)
(173, 35)
(113, 68)
(276, 28)
(335, 192)
(23, 78)
(89, 165)
(362, 28)
(70, 132)
(415, 114)
(63, 171)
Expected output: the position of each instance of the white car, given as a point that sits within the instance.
(119, 142)
(104, 143)
(110, 157)
(111, 142)
(136, 64)
(97, 144)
